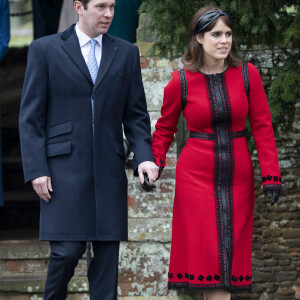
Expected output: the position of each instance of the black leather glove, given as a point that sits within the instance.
(273, 192)
(147, 186)
(274, 196)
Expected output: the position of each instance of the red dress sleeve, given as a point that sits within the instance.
(262, 130)
(166, 125)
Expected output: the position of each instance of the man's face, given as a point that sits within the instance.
(96, 18)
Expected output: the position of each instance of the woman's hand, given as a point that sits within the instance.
(273, 195)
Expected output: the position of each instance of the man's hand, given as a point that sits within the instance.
(42, 186)
(149, 168)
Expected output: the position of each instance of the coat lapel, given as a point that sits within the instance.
(108, 53)
(72, 47)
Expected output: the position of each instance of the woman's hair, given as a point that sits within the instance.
(193, 58)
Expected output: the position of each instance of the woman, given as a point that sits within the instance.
(214, 195)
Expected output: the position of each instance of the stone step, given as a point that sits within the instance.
(39, 267)
(39, 296)
(85, 296)
(24, 249)
(30, 287)
(23, 267)
(31, 284)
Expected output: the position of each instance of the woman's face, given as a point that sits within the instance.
(217, 42)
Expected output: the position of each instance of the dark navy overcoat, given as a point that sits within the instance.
(89, 199)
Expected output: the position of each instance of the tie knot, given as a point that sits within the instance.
(93, 43)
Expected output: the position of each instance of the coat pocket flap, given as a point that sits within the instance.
(59, 129)
(122, 76)
(56, 149)
(120, 149)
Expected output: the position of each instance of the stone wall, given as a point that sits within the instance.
(276, 232)
(144, 260)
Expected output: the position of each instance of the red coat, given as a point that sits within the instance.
(214, 194)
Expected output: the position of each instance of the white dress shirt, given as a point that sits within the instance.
(84, 42)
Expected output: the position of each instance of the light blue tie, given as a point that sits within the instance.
(92, 62)
(93, 68)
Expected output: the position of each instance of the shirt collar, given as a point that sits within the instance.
(84, 39)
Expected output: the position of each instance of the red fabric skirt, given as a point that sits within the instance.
(196, 259)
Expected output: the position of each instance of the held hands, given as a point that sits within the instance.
(273, 192)
(42, 186)
(147, 186)
(273, 195)
(148, 173)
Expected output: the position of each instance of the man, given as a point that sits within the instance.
(4, 40)
(71, 121)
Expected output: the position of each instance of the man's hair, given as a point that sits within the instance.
(84, 3)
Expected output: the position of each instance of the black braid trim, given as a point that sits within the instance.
(246, 78)
(221, 116)
(269, 178)
(272, 187)
(233, 289)
(184, 88)
(160, 168)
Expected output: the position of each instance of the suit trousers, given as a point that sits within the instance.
(102, 272)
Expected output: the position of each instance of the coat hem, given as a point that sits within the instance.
(210, 287)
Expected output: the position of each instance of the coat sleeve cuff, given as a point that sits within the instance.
(31, 176)
(136, 162)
